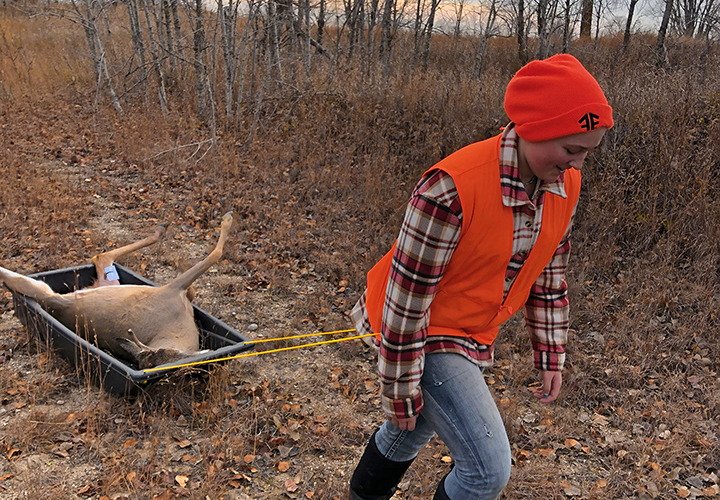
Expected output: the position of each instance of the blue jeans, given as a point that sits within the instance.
(458, 407)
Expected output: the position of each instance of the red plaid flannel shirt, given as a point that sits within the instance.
(428, 236)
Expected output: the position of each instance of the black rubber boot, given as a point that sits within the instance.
(376, 477)
(440, 492)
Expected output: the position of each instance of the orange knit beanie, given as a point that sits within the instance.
(554, 98)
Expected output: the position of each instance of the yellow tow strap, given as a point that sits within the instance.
(258, 341)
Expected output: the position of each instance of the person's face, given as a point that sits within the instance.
(549, 159)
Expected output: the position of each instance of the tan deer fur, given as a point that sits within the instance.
(145, 324)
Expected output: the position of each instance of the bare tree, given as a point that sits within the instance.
(546, 16)
(567, 26)
(353, 18)
(429, 26)
(138, 43)
(203, 111)
(483, 39)
(248, 43)
(386, 36)
(521, 33)
(458, 7)
(176, 50)
(370, 40)
(690, 17)
(600, 6)
(660, 53)
(628, 25)
(87, 13)
(586, 19)
(228, 39)
(709, 20)
(321, 21)
(155, 52)
(166, 18)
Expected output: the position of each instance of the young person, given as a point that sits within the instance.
(486, 232)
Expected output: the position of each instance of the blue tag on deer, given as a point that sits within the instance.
(111, 273)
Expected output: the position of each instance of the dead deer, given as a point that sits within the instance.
(144, 324)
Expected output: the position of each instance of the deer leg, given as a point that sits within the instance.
(107, 275)
(186, 279)
(35, 289)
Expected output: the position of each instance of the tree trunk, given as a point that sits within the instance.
(250, 29)
(417, 32)
(586, 19)
(177, 49)
(198, 50)
(628, 25)
(428, 34)
(138, 43)
(96, 51)
(228, 38)
(321, 22)
(660, 54)
(546, 11)
(458, 23)
(542, 20)
(386, 36)
(567, 34)
(162, 94)
(370, 41)
(167, 22)
(482, 43)
(521, 35)
(599, 6)
(272, 37)
(353, 15)
(307, 36)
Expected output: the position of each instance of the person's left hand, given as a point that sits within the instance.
(551, 382)
(404, 423)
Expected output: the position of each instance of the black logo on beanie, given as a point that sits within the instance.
(589, 121)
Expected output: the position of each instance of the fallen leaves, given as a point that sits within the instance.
(130, 443)
(572, 443)
(600, 420)
(682, 492)
(570, 489)
(291, 485)
(87, 491)
(165, 495)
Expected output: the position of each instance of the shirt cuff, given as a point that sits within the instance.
(403, 408)
(548, 358)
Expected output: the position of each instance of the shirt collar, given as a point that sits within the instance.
(513, 193)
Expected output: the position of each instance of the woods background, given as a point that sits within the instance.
(313, 121)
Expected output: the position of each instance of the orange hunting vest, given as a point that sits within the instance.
(469, 301)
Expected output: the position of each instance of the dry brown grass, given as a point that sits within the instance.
(320, 193)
